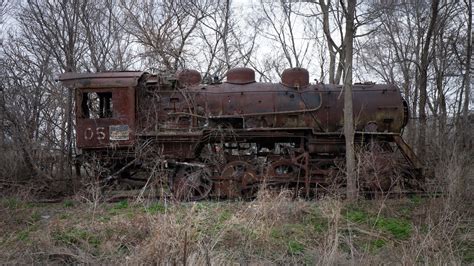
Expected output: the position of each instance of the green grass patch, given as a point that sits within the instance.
(35, 217)
(416, 199)
(225, 215)
(214, 221)
(468, 258)
(357, 216)
(119, 207)
(23, 235)
(376, 244)
(123, 204)
(76, 236)
(30, 205)
(295, 247)
(12, 203)
(292, 236)
(467, 253)
(155, 208)
(289, 231)
(202, 206)
(68, 203)
(316, 221)
(399, 228)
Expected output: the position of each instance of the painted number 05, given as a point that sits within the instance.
(99, 133)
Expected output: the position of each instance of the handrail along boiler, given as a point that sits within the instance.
(226, 139)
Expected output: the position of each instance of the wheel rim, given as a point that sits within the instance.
(239, 171)
(191, 183)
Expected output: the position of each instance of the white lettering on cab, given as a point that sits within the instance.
(99, 133)
(88, 134)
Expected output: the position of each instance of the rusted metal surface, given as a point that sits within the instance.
(408, 152)
(192, 183)
(267, 105)
(115, 130)
(235, 177)
(241, 75)
(295, 77)
(378, 105)
(188, 77)
(108, 120)
(241, 132)
(101, 80)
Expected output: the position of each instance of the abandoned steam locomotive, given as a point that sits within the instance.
(225, 139)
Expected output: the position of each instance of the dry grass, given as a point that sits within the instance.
(275, 228)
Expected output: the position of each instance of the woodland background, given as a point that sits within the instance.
(424, 47)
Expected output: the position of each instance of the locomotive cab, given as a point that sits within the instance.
(105, 108)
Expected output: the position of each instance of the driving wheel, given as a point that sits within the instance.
(191, 183)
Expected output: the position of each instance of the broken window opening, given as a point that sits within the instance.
(97, 105)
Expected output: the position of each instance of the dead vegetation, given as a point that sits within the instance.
(274, 228)
(36, 144)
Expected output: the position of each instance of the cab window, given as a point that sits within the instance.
(97, 105)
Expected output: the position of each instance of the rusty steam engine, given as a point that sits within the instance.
(226, 139)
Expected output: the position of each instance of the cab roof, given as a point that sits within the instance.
(101, 79)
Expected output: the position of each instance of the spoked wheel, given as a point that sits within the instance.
(239, 171)
(237, 177)
(191, 183)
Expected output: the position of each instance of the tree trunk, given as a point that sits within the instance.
(341, 64)
(424, 79)
(330, 42)
(443, 115)
(467, 78)
(408, 132)
(348, 111)
(225, 34)
(69, 113)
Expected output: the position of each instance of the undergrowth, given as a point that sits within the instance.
(275, 228)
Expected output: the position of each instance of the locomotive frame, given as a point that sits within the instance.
(226, 139)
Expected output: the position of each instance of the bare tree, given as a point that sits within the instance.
(55, 28)
(281, 40)
(280, 18)
(332, 15)
(467, 71)
(334, 49)
(348, 110)
(214, 32)
(394, 54)
(5, 6)
(164, 28)
(223, 43)
(108, 46)
(23, 103)
(424, 64)
(444, 67)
